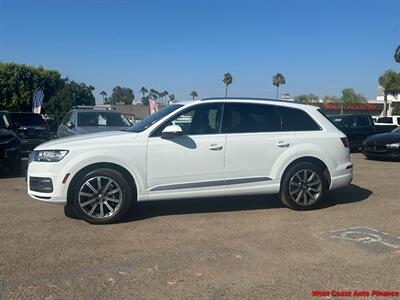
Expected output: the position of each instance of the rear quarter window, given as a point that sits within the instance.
(387, 120)
(294, 119)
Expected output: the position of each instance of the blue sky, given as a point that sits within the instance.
(321, 46)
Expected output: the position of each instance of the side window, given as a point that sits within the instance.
(398, 121)
(200, 119)
(387, 120)
(294, 119)
(66, 118)
(349, 122)
(246, 117)
(363, 121)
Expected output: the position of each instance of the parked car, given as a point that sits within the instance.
(358, 127)
(383, 146)
(389, 120)
(31, 129)
(10, 145)
(224, 147)
(83, 121)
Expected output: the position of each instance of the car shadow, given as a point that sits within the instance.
(10, 172)
(150, 209)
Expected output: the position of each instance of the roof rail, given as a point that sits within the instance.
(93, 107)
(248, 98)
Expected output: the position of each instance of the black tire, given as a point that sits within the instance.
(291, 178)
(104, 216)
(70, 212)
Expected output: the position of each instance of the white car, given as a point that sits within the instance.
(203, 148)
(389, 120)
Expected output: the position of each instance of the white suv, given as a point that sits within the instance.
(210, 147)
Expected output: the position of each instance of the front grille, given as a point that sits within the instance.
(376, 148)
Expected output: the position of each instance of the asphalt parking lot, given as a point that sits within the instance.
(225, 248)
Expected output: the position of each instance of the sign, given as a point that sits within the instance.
(370, 239)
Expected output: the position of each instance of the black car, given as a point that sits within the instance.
(383, 145)
(10, 145)
(356, 127)
(31, 129)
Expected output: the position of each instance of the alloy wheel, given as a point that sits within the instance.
(305, 187)
(100, 197)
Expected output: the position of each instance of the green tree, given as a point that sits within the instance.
(329, 99)
(172, 98)
(121, 95)
(350, 97)
(277, 80)
(227, 81)
(72, 93)
(307, 98)
(104, 94)
(397, 54)
(194, 94)
(390, 82)
(19, 82)
(153, 94)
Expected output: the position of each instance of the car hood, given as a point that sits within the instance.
(384, 138)
(98, 138)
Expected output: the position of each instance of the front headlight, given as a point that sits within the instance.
(49, 155)
(393, 146)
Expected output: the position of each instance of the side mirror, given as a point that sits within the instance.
(69, 125)
(171, 131)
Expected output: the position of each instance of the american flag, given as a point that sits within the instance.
(153, 106)
(37, 101)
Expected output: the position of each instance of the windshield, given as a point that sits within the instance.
(27, 119)
(97, 118)
(150, 120)
(396, 130)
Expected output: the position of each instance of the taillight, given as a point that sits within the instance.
(45, 126)
(345, 142)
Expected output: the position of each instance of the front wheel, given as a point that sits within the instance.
(102, 196)
(303, 186)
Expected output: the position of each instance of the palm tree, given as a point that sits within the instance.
(227, 81)
(397, 54)
(104, 94)
(350, 97)
(390, 82)
(171, 98)
(277, 80)
(144, 91)
(194, 94)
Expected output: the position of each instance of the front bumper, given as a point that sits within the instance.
(51, 171)
(380, 152)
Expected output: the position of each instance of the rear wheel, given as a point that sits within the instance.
(303, 186)
(102, 196)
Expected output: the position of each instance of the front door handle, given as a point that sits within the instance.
(282, 144)
(215, 147)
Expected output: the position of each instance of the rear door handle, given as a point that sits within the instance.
(282, 144)
(215, 147)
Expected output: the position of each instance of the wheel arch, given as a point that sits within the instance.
(310, 159)
(95, 166)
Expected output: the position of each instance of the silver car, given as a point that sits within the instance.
(83, 121)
